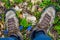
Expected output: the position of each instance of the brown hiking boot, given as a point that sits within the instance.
(46, 19)
(12, 24)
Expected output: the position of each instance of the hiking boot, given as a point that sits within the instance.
(12, 24)
(45, 22)
(47, 18)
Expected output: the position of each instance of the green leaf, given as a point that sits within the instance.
(30, 4)
(37, 15)
(56, 20)
(7, 3)
(24, 22)
(57, 27)
(18, 1)
(3, 0)
(58, 31)
(58, 39)
(46, 0)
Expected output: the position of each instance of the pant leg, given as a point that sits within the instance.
(8, 38)
(40, 35)
(12, 37)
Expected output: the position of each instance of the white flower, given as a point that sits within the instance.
(17, 8)
(30, 18)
